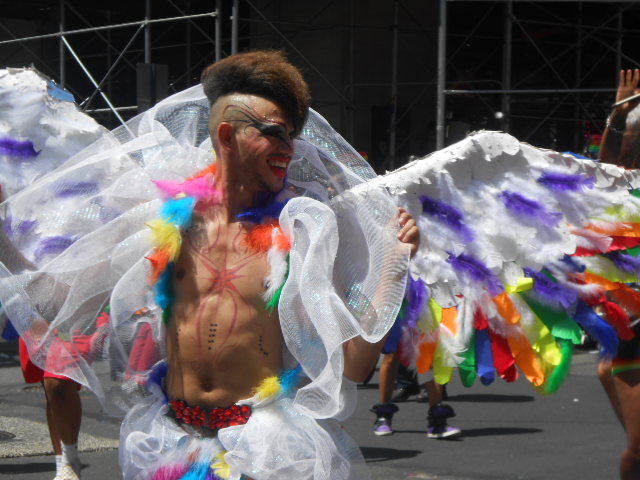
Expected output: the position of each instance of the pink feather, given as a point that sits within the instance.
(591, 240)
(201, 188)
(170, 472)
(410, 346)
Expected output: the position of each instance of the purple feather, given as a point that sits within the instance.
(53, 245)
(6, 226)
(26, 226)
(17, 148)
(73, 189)
(564, 182)
(573, 264)
(626, 263)
(416, 296)
(474, 269)
(532, 210)
(449, 215)
(550, 292)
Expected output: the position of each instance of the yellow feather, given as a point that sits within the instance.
(523, 285)
(269, 387)
(220, 467)
(166, 236)
(436, 311)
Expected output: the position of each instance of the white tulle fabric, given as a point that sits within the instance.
(277, 442)
(83, 228)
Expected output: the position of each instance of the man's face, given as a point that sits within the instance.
(263, 138)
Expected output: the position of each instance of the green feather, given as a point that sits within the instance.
(403, 309)
(273, 303)
(166, 316)
(562, 370)
(467, 368)
(558, 322)
(634, 252)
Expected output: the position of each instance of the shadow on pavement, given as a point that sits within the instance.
(368, 386)
(18, 468)
(377, 454)
(9, 355)
(491, 398)
(493, 431)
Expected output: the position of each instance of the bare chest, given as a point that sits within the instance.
(216, 263)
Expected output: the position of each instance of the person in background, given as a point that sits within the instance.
(621, 376)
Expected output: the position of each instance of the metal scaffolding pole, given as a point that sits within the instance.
(92, 80)
(112, 67)
(619, 41)
(530, 90)
(506, 65)
(234, 27)
(106, 27)
(62, 73)
(442, 62)
(147, 32)
(187, 46)
(576, 107)
(218, 30)
(352, 61)
(394, 88)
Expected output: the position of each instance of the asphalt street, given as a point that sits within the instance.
(510, 431)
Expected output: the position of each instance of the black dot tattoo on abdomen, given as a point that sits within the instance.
(265, 353)
(213, 327)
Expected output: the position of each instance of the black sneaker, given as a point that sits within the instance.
(402, 394)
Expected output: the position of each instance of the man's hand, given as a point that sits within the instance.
(627, 87)
(409, 232)
(620, 145)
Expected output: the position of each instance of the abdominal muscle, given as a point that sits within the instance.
(221, 341)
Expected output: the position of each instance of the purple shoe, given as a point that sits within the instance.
(438, 427)
(382, 427)
(442, 431)
(384, 414)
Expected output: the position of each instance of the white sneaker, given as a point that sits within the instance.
(67, 473)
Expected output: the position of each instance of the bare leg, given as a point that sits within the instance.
(55, 439)
(385, 409)
(65, 407)
(388, 372)
(65, 413)
(606, 379)
(434, 391)
(627, 385)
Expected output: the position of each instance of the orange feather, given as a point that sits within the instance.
(159, 260)
(211, 169)
(260, 238)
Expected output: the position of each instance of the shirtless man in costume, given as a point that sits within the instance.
(221, 340)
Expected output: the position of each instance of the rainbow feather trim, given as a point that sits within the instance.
(175, 216)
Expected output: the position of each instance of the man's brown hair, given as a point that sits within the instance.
(264, 73)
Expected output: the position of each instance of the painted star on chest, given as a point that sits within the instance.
(222, 278)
